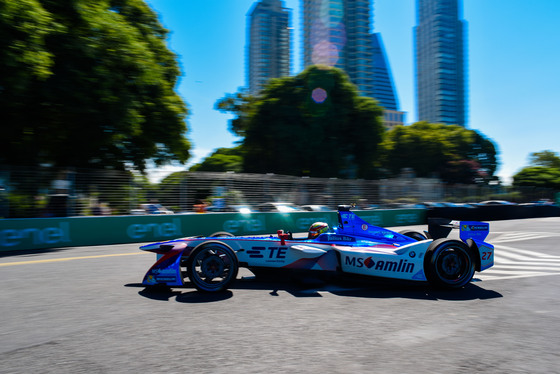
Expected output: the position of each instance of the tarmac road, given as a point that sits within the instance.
(82, 310)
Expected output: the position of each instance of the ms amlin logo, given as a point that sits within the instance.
(401, 266)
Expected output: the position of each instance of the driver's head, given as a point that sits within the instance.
(317, 229)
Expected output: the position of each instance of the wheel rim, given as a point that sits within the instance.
(454, 265)
(212, 268)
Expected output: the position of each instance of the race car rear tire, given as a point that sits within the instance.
(449, 263)
(413, 234)
(212, 267)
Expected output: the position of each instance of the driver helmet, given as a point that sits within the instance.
(317, 229)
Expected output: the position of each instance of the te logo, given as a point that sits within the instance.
(277, 252)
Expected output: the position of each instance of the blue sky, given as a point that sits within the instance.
(513, 68)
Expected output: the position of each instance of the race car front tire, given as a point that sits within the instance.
(212, 267)
(449, 263)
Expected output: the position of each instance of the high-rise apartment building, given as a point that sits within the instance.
(339, 33)
(440, 62)
(269, 39)
(383, 89)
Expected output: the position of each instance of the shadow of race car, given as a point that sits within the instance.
(354, 248)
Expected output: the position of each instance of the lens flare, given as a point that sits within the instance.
(319, 95)
(328, 35)
(325, 53)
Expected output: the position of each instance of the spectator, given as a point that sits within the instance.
(200, 206)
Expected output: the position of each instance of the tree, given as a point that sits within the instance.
(88, 84)
(222, 160)
(538, 176)
(239, 104)
(455, 154)
(313, 124)
(544, 172)
(547, 159)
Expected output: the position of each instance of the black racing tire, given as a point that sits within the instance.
(221, 234)
(212, 267)
(413, 234)
(449, 263)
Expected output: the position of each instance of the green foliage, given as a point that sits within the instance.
(222, 160)
(508, 196)
(544, 172)
(312, 124)
(538, 176)
(24, 25)
(23, 205)
(240, 105)
(88, 84)
(547, 159)
(455, 154)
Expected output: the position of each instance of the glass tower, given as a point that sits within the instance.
(383, 89)
(440, 67)
(337, 33)
(268, 48)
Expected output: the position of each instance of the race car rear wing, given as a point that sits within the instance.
(441, 227)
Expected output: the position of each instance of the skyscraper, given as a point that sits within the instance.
(268, 48)
(339, 33)
(383, 88)
(440, 66)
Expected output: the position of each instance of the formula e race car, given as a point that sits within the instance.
(353, 248)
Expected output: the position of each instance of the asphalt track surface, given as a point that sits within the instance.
(83, 310)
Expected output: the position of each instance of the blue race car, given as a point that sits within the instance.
(353, 248)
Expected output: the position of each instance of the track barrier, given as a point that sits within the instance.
(44, 233)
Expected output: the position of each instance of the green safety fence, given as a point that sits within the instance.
(42, 233)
